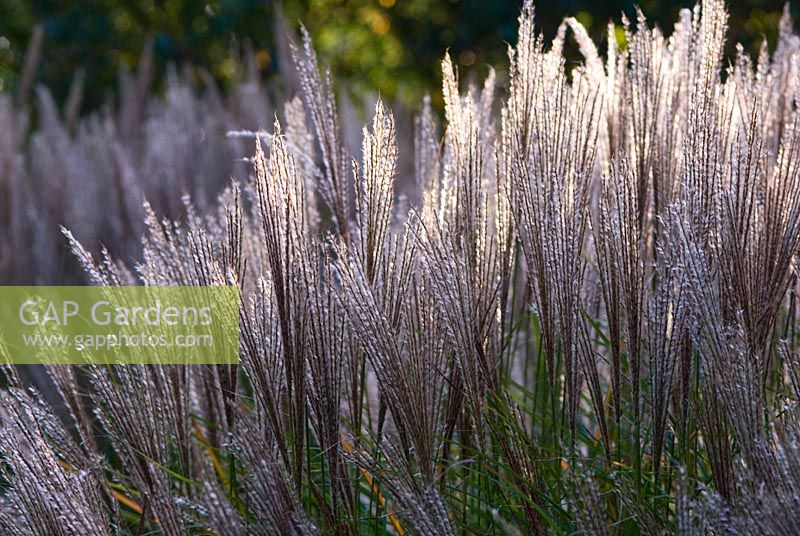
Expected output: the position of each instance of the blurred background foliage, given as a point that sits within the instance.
(390, 46)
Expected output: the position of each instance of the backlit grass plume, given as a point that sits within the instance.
(581, 317)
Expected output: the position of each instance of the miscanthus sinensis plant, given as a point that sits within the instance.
(584, 320)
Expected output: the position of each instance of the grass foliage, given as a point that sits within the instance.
(582, 320)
